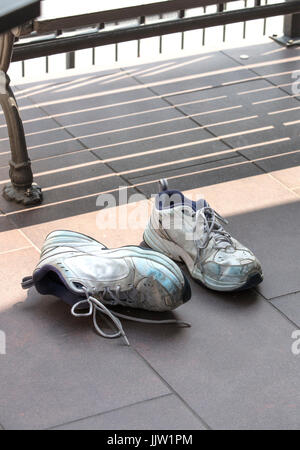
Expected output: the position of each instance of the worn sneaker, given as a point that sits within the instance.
(192, 232)
(87, 275)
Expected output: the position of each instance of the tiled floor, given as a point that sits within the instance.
(214, 125)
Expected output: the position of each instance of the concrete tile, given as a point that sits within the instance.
(289, 305)
(165, 153)
(240, 114)
(114, 227)
(274, 62)
(15, 266)
(91, 96)
(52, 372)
(10, 237)
(297, 191)
(139, 134)
(71, 184)
(66, 202)
(136, 120)
(131, 111)
(163, 413)
(281, 158)
(198, 175)
(207, 70)
(220, 365)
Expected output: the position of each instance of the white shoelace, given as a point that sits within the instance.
(96, 305)
(211, 228)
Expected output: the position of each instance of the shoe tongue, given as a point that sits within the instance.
(170, 199)
(199, 204)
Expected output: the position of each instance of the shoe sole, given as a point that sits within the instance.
(177, 253)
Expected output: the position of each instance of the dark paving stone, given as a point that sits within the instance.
(240, 113)
(164, 413)
(91, 96)
(71, 183)
(169, 159)
(84, 202)
(277, 157)
(220, 365)
(58, 370)
(289, 305)
(271, 61)
(183, 134)
(140, 134)
(198, 175)
(212, 69)
(273, 235)
(137, 120)
(131, 112)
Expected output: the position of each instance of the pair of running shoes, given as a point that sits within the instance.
(92, 278)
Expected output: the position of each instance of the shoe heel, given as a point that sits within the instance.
(159, 244)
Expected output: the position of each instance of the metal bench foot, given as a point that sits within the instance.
(21, 189)
(28, 197)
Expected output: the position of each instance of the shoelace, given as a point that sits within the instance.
(96, 305)
(211, 227)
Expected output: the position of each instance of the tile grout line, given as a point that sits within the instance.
(281, 296)
(29, 240)
(83, 145)
(263, 77)
(15, 250)
(272, 84)
(112, 410)
(173, 391)
(269, 301)
(204, 127)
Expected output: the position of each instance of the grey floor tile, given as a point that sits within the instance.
(281, 158)
(272, 61)
(273, 236)
(168, 159)
(91, 96)
(241, 113)
(289, 305)
(234, 367)
(209, 70)
(130, 112)
(57, 370)
(164, 413)
(163, 113)
(139, 134)
(199, 175)
(77, 202)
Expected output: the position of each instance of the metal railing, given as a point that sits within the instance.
(49, 37)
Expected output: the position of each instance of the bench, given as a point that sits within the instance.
(65, 34)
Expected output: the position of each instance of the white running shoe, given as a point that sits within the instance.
(191, 232)
(87, 275)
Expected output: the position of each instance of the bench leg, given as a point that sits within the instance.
(21, 189)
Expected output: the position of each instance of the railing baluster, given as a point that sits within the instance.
(142, 22)
(181, 16)
(203, 32)
(245, 23)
